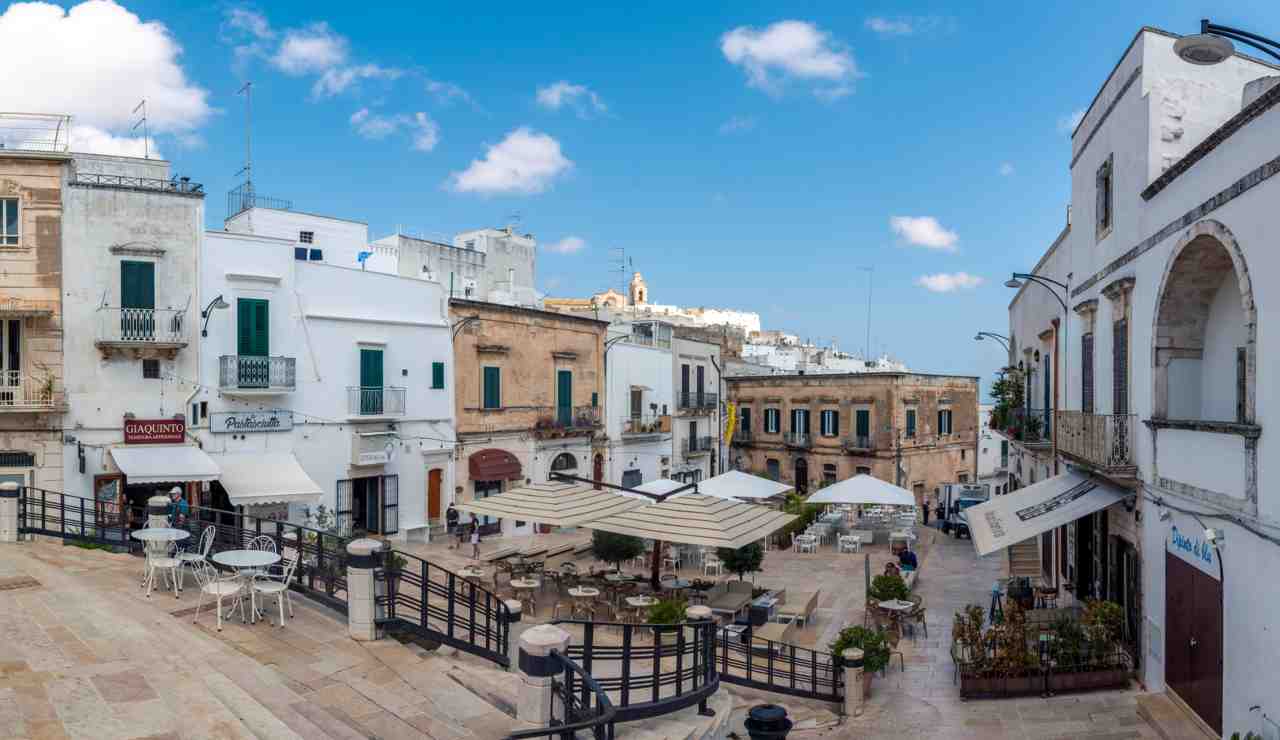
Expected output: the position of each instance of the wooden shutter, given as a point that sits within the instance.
(744, 416)
(1086, 373)
(911, 422)
(437, 375)
(1242, 384)
(137, 284)
(252, 327)
(863, 421)
(1120, 367)
(492, 388)
(371, 382)
(390, 504)
(564, 397)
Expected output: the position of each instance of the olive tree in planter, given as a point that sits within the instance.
(615, 548)
(745, 559)
(1087, 655)
(875, 651)
(888, 587)
(668, 613)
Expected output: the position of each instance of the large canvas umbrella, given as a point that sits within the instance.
(863, 489)
(554, 503)
(740, 485)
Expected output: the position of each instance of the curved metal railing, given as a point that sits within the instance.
(584, 705)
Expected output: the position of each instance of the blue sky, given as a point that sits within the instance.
(752, 155)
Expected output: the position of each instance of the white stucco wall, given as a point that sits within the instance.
(342, 240)
(637, 366)
(695, 354)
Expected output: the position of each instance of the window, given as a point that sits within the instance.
(830, 423)
(962, 477)
(316, 255)
(962, 451)
(9, 222)
(862, 470)
(799, 421)
(1242, 384)
(773, 469)
(862, 426)
(10, 352)
(1104, 186)
(828, 473)
(944, 421)
(1120, 367)
(637, 403)
(564, 463)
(371, 389)
(911, 423)
(306, 237)
(1086, 373)
(492, 388)
(772, 421)
(300, 253)
(744, 419)
(151, 369)
(437, 375)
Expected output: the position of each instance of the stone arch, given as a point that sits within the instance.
(565, 462)
(1206, 268)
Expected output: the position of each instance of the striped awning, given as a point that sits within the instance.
(555, 503)
(697, 519)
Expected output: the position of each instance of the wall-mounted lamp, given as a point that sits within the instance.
(216, 303)
(1130, 502)
(1165, 515)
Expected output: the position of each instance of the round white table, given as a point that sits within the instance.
(584, 592)
(471, 572)
(159, 534)
(674, 585)
(617, 577)
(641, 602)
(524, 583)
(897, 605)
(246, 560)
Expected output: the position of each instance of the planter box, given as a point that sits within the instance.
(997, 686)
(1107, 678)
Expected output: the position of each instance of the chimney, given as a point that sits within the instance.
(1257, 88)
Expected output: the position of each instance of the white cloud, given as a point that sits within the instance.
(791, 50)
(424, 133)
(564, 93)
(95, 62)
(1067, 124)
(250, 22)
(524, 162)
(447, 92)
(904, 25)
(314, 48)
(337, 80)
(924, 231)
(567, 245)
(944, 282)
(737, 124)
(1006, 169)
(93, 139)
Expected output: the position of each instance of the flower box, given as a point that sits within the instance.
(1001, 686)
(1103, 678)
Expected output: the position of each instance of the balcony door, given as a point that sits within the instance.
(700, 385)
(137, 301)
(10, 361)
(564, 397)
(684, 385)
(252, 343)
(370, 381)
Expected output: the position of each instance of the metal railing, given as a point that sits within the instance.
(700, 400)
(177, 185)
(698, 445)
(858, 442)
(1031, 426)
(19, 392)
(142, 326)
(35, 132)
(779, 667)
(1105, 441)
(646, 424)
(423, 597)
(583, 705)
(246, 372)
(242, 197)
(374, 401)
(798, 439)
(742, 436)
(648, 340)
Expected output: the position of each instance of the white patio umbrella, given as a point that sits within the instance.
(696, 519)
(554, 503)
(736, 484)
(863, 489)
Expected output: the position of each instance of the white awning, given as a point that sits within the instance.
(660, 486)
(164, 463)
(737, 484)
(1010, 519)
(554, 503)
(863, 489)
(267, 478)
(692, 519)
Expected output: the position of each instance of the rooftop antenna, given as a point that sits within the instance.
(866, 348)
(618, 264)
(247, 170)
(146, 137)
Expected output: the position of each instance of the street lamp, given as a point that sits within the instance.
(1015, 281)
(216, 303)
(1213, 44)
(1002, 339)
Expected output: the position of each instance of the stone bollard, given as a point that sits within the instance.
(536, 671)
(516, 627)
(158, 510)
(8, 511)
(364, 556)
(698, 613)
(852, 682)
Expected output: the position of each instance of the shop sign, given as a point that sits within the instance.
(155, 431)
(1188, 543)
(269, 512)
(239, 422)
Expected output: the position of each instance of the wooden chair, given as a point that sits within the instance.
(916, 617)
(871, 618)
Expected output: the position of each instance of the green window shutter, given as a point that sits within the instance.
(911, 423)
(863, 420)
(595, 400)
(370, 368)
(137, 284)
(492, 388)
(252, 327)
(437, 375)
(564, 396)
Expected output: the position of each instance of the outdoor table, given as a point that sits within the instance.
(806, 540)
(676, 584)
(616, 577)
(853, 541)
(157, 534)
(582, 597)
(246, 560)
(524, 584)
(641, 602)
(734, 632)
(472, 574)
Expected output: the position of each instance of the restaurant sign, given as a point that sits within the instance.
(155, 431)
(239, 422)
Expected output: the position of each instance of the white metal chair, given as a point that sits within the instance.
(161, 560)
(710, 563)
(672, 557)
(201, 554)
(274, 585)
(264, 543)
(850, 543)
(219, 587)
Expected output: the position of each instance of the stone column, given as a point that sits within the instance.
(8, 512)
(852, 682)
(536, 671)
(364, 556)
(516, 627)
(158, 510)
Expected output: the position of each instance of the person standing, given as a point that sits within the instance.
(451, 523)
(926, 512)
(475, 541)
(178, 509)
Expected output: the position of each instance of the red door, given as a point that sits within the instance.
(1193, 638)
(597, 471)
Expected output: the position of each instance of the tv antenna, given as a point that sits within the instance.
(247, 170)
(142, 121)
(618, 264)
(866, 348)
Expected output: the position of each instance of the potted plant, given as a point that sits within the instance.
(1086, 655)
(615, 548)
(745, 559)
(875, 651)
(666, 616)
(888, 587)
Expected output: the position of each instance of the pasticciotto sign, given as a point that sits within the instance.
(155, 431)
(238, 422)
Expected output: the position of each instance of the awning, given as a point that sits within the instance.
(737, 484)
(1040, 507)
(863, 489)
(695, 519)
(555, 503)
(164, 463)
(267, 478)
(493, 464)
(660, 486)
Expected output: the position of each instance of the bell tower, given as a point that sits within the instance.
(639, 292)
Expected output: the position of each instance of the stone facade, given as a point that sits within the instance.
(926, 457)
(31, 378)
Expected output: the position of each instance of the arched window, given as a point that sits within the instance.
(564, 463)
(1204, 332)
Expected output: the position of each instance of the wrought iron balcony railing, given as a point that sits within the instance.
(374, 401)
(142, 326)
(1103, 441)
(798, 439)
(697, 400)
(251, 373)
(1031, 426)
(742, 436)
(698, 445)
(177, 185)
(20, 392)
(857, 442)
(646, 424)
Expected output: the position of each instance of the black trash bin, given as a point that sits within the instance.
(767, 722)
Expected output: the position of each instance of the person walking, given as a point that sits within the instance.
(451, 523)
(475, 541)
(926, 513)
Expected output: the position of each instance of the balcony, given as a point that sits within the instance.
(568, 421)
(857, 442)
(247, 375)
(1104, 442)
(370, 402)
(1032, 427)
(646, 424)
(24, 394)
(697, 401)
(698, 446)
(141, 331)
(743, 437)
(798, 439)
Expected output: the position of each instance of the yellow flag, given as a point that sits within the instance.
(733, 419)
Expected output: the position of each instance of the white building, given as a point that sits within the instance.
(639, 402)
(993, 453)
(342, 372)
(1165, 264)
(491, 265)
(696, 427)
(335, 241)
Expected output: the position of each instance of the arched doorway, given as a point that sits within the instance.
(802, 475)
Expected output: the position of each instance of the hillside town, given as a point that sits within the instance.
(267, 471)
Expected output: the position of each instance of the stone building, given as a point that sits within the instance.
(529, 393)
(31, 322)
(915, 430)
(490, 265)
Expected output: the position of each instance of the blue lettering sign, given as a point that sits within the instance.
(1196, 548)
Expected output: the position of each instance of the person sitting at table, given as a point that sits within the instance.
(178, 509)
(891, 569)
(908, 559)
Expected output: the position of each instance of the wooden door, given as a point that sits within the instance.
(433, 494)
(597, 471)
(1193, 639)
(564, 397)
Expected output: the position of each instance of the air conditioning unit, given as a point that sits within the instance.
(372, 448)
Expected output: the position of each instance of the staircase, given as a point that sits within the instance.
(1170, 719)
(1024, 559)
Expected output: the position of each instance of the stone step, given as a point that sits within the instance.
(255, 717)
(1169, 719)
